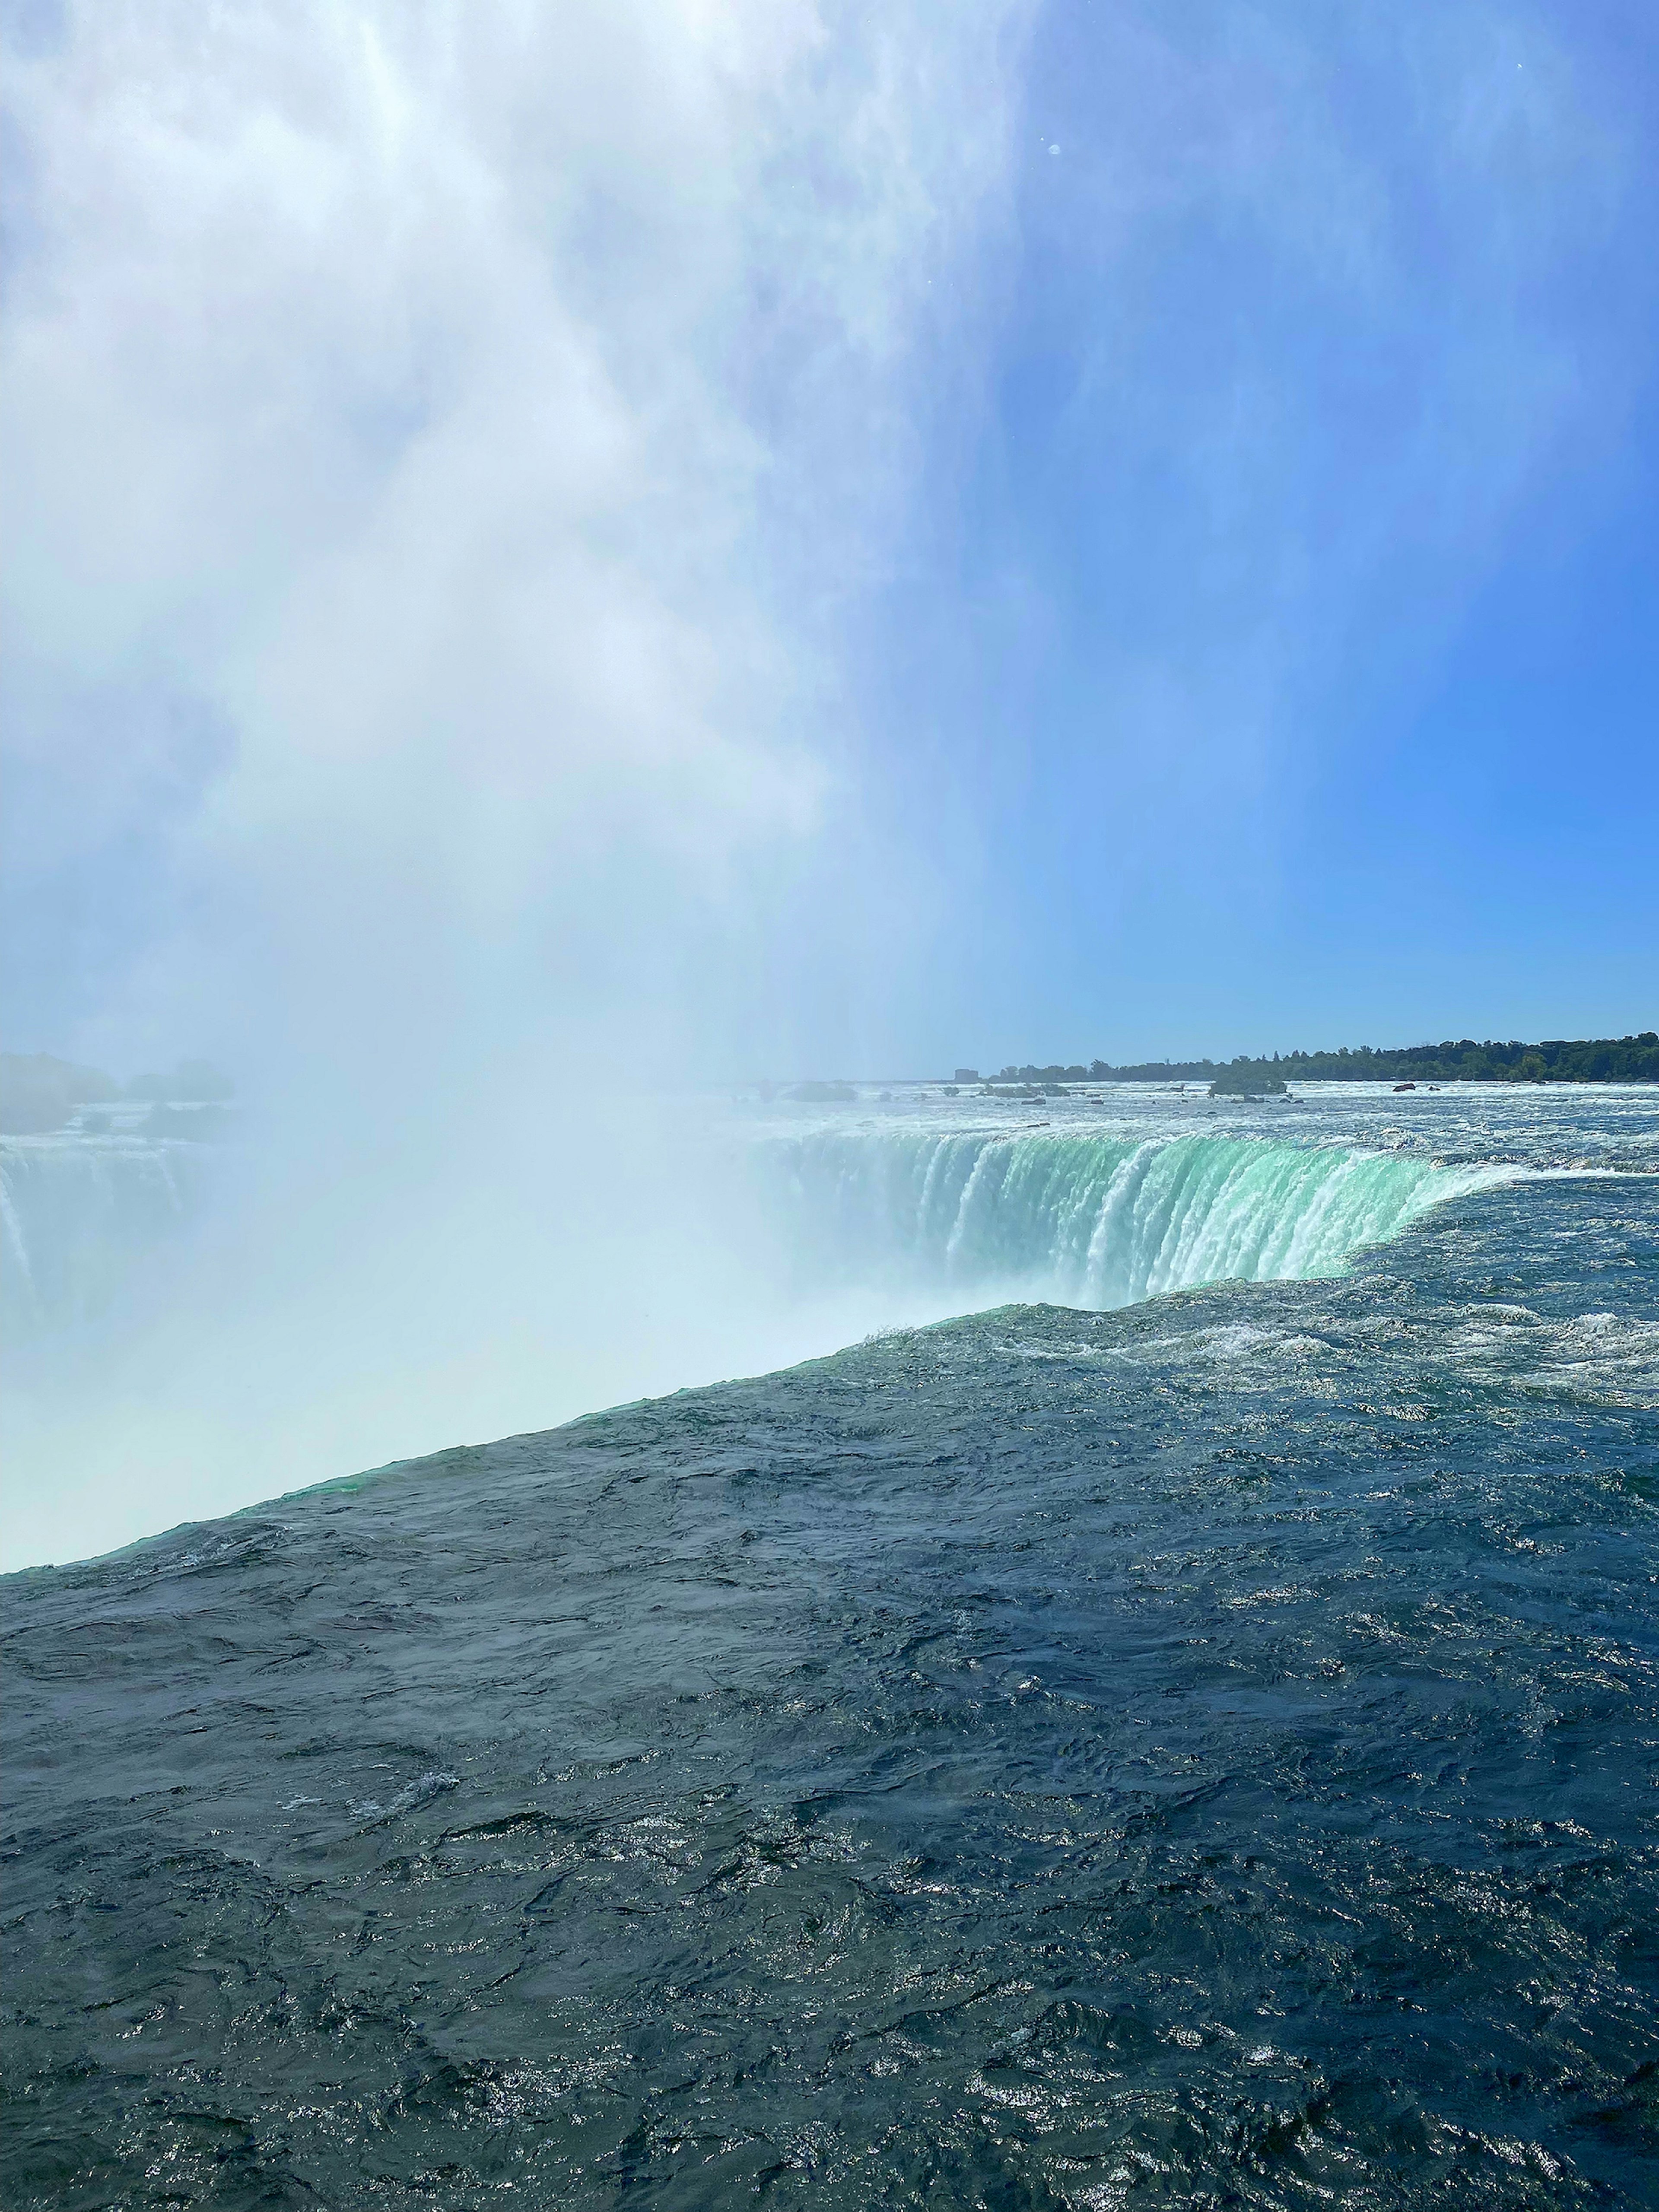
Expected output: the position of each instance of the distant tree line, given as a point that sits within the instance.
(38, 1092)
(1557, 1060)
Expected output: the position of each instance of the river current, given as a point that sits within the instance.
(1183, 1731)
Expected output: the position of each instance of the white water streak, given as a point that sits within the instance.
(81, 1215)
(1096, 1221)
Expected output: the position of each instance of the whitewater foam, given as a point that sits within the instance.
(1096, 1220)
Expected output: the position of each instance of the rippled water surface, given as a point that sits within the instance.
(1199, 1753)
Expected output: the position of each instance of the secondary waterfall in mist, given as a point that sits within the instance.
(1091, 1220)
(1087, 1219)
(80, 1214)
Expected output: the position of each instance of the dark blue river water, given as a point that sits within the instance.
(1205, 1754)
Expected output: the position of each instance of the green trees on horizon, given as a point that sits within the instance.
(1557, 1060)
(39, 1093)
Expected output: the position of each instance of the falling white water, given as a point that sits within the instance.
(1087, 1220)
(81, 1215)
(181, 1339)
(1092, 1220)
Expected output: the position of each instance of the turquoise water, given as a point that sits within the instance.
(1098, 1219)
(1197, 1751)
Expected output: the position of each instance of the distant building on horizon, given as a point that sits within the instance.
(966, 1075)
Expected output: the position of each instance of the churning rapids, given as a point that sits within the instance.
(1182, 1735)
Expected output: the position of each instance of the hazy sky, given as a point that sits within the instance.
(826, 539)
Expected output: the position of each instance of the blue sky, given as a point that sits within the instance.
(1308, 545)
(850, 542)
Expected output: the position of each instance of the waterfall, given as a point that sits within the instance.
(1090, 1220)
(78, 1213)
(1081, 1219)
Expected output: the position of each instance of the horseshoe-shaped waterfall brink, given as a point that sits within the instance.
(1093, 1220)
(1179, 1732)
